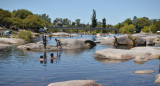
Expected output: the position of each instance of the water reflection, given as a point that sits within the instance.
(74, 51)
(110, 60)
(159, 68)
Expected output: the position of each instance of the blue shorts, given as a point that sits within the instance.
(44, 43)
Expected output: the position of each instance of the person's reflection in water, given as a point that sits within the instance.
(45, 58)
(52, 57)
(58, 56)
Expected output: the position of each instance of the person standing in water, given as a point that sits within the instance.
(44, 41)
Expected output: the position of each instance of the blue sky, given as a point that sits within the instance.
(113, 10)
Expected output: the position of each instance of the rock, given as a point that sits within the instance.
(124, 40)
(140, 41)
(64, 34)
(114, 54)
(157, 79)
(14, 41)
(38, 47)
(144, 52)
(147, 52)
(98, 35)
(108, 41)
(60, 34)
(97, 41)
(140, 59)
(143, 71)
(77, 43)
(149, 41)
(5, 46)
(75, 83)
(145, 38)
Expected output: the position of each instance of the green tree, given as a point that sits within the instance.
(4, 14)
(94, 20)
(134, 19)
(78, 22)
(147, 29)
(128, 21)
(7, 21)
(34, 22)
(46, 18)
(142, 22)
(66, 22)
(21, 13)
(99, 25)
(73, 23)
(129, 29)
(104, 23)
(17, 22)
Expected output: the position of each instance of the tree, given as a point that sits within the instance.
(4, 14)
(129, 29)
(104, 23)
(7, 21)
(21, 13)
(34, 22)
(73, 23)
(66, 22)
(45, 17)
(154, 27)
(134, 19)
(58, 21)
(78, 22)
(99, 25)
(94, 20)
(17, 22)
(128, 21)
(141, 23)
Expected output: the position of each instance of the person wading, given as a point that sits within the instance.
(44, 41)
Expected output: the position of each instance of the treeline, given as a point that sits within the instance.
(24, 19)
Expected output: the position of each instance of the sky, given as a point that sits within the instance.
(114, 11)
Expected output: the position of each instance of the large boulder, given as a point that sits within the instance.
(145, 38)
(140, 41)
(145, 52)
(5, 46)
(143, 71)
(123, 40)
(14, 41)
(114, 54)
(77, 43)
(108, 41)
(75, 83)
(157, 79)
(38, 47)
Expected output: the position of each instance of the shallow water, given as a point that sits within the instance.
(21, 68)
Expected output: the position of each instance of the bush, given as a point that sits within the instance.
(26, 35)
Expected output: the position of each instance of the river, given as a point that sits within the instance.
(23, 68)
